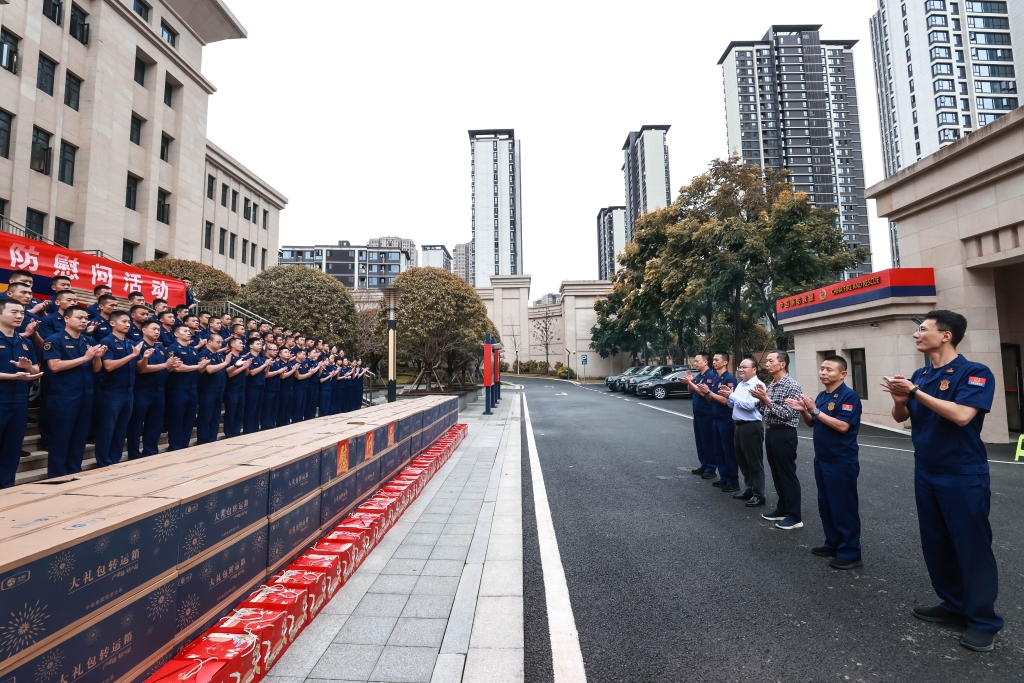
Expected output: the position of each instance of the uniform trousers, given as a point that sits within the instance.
(208, 415)
(114, 412)
(284, 408)
(234, 412)
(838, 506)
(13, 419)
(268, 420)
(253, 409)
(750, 450)
(725, 450)
(299, 402)
(780, 445)
(952, 511)
(68, 434)
(182, 405)
(325, 398)
(43, 420)
(312, 397)
(704, 436)
(146, 423)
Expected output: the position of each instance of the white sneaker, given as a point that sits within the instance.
(789, 524)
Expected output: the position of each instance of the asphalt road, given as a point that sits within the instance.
(672, 580)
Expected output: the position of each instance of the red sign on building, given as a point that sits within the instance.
(881, 285)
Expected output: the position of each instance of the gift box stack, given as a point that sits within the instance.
(108, 574)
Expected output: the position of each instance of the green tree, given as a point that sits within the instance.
(208, 283)
(305, 300)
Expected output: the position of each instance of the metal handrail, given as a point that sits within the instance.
(232, 309)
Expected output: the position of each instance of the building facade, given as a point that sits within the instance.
(645, 171)
(103, 111)
(791, 103)
(358, 267)
(611, 240)
(437, 256)
(942, 71)
(495, 179)
(460, 260)
(407, 246)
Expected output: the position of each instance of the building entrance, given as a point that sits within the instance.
(1012, 382)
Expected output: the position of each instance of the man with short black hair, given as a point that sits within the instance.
(182, 389)
(139, 315)
(190, 299)
(780, 440)
(204, 325)
(36, 307)
(18, 369)
(703, 433)
(149, 404)
(97, 292)
(167, 325)
(136, 299)
(22, 293)
(106, 305)
(211, 389)
(117, 389)
(722, 425)
(60, 283)
(946, 402)
(254, 383)
(225, 323)
(54, 322)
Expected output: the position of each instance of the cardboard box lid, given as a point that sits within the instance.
(212, 482)
(15, 497)
(143, 483)
(37, 529)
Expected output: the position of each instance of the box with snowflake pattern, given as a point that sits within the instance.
(294, 473)
(336, 499)
(66, 558)
(292, 527)
(108, 646)
(212, 577)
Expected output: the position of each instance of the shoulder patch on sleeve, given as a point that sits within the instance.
(47, 346)
(977, 381)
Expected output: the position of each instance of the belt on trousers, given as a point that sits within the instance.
(767, 426)
(747, 422)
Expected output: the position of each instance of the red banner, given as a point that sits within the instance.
(45, 261)
(488, 362)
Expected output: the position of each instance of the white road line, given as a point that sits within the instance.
(670, 412)
(566, 655)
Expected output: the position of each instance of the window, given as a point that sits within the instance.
(5, 134)
(140, 72)
(72, 90)
(246, 209)
(79, 26)
(942, 69)
(993, 70)
(35, 223)
(989, 38)
(231, 245)
(936, 20)
(131, 193)
(168, 34)
(245, 249)
(66, 169)
(168, 93)
(252, 256)
(935, 6)
(938, 37)
(987, 7)
(988, 55)
(208, 236)
(234, 200)
(157, 254)
(141, 8)
(128, 252)
(9, 51)
(945, 102)
(255, 212)
(223, 238)
(943, 85)
(223, 195)
(211, 184)
(54, 11)
(263, 259)
(265, 215)
(946, 119)
(165, 148)
(859, 372)
(997, 87)
(1006, 103)
(135, 133)
(393, 256)
(42, 153)
(949, 135)
(62, 233)
(163, 208)
(46, 74)
(967, 121)
(985, 119)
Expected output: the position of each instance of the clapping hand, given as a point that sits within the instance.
(761, 394)
(688, 377)
(22, 363)
(96, 351)
(138, 349)
(898, 386)
(148, 353)
(725, 391)
(31, 328)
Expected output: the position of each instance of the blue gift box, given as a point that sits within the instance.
(292, 527)
(68, 557)
(295, 473)
(367, 477)
(108, 646)
(336, 499)
(218, 573)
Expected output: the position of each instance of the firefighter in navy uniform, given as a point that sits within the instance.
(148, 408)
(211, 390)
(117, 389)
(18, 369)
(182, 389)
(724, 429)
(946, 403)
(703, 432)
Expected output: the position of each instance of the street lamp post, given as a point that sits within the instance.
(392, 295)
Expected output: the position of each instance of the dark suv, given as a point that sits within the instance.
(613, 382)
(649, 373)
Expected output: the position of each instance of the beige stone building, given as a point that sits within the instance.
(103, 113)
(960, 215)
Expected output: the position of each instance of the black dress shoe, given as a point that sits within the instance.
(823, 551)
(697, 470)
(721, 484)
(744, 495)
(977, 640)
(708, 475)
(775, 515)
(938, 615)
(845, 563)
(730, 488)
(755, 501)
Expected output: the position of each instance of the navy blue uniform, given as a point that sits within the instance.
(299, 393)
(326, 391)
(836, 468)
(211, 397)
(703, 429)
(723, 431)
(13, 405)
(284, 400)
(234, 401)
(114, 402)
(271, 395)
(166, 338)
(29, 318)
(312, 392)
(69, 403)
(94, 311)
(51, 324)
(182, 398)
(148, 408)
(951, 484)
(253, 395)
(135, 334)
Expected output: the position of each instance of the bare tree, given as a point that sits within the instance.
(545, 333)
(515, 340)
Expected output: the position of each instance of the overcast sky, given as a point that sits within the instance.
(359, 113)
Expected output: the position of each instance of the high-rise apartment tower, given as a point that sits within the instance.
(496, 248)
(645, 170)
(791, 103)
(611, 239)
(460, 260)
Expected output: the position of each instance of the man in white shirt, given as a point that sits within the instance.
(749, 430)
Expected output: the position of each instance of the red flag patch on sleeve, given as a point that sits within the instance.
(848, 407)
(976, 381)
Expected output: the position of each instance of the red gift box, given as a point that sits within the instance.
(286, 598)
(240, 651)
(361, 540)
(329, 564)
(271, 626)
(196, 671)
(348, 553)
(314, 582)
(370, 523)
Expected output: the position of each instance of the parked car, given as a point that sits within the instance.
(649, 373)
(612, 382)
(663, 387)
